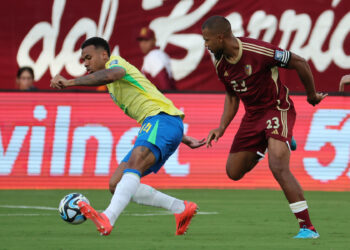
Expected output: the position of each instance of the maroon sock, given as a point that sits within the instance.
(304, 220)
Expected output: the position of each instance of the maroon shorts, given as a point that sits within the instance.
(255, 129)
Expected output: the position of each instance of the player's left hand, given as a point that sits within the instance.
(192, 142)
(59, 82)
(316, 99)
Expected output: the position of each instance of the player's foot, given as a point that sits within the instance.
(306, 233)
(293, 144)
(100, 219)
(183, 220)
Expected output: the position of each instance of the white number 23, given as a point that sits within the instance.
(273, 123)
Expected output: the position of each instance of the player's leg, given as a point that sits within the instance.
(168, 135)
(279, 130)
(167, 139)
(240, 163)
(182, 210)
(248, 147)
(141, 159)
(279, 156)
(117, 175)
(146, 157)
(147, 195)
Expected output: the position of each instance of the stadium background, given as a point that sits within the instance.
(47, 34)
(75, 140)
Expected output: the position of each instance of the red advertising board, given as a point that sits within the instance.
(76, 140)
(49, 40)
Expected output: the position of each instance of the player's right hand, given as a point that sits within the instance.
(214, 134)
(316, 99)
(58, 82)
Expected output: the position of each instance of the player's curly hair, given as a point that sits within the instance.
(98, 42)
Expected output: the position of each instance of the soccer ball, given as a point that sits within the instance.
(69, 210)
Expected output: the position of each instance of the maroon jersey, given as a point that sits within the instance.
(253, 75)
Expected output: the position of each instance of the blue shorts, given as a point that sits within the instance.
(162, 134)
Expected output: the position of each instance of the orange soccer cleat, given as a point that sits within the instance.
(183, 220)
(100, 219)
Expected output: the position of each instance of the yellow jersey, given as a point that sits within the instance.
(136, 95)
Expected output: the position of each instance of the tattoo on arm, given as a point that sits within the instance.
(97, 78)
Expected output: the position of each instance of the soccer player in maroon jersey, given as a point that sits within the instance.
(249, 70)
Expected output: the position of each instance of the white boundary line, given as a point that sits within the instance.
(29, 207)
(3, 215)
(157, 213)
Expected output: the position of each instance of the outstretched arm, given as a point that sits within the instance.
(97, 78)
(192, 142)
(304, 72)
(344, 81)
(230, 110)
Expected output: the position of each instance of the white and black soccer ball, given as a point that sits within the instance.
(69, 210)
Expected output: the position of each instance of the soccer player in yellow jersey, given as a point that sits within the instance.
(158, 138)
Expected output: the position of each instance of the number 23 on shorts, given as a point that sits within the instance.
(273, 123)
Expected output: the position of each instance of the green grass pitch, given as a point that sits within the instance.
(228, 219)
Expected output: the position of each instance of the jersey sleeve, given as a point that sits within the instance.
(115, 63)
(229, 89)
(275, 56)
(282, 57)
(228, 86)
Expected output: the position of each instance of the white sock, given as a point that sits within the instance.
(299, 206)
(147, 195)
(125, 189)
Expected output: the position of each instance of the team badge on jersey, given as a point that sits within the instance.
(225, 74)
(248, 69)
(278, 55)
(114, 62)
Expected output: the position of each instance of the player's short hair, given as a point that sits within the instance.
(23, 69)
(218, 24)
(98, 42)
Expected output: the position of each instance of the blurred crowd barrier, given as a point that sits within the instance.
(77, 140)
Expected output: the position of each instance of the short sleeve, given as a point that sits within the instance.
(274, 56)
(114, 63)
(228, 87)
(282, 57)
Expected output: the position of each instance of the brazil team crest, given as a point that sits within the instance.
(248, 69)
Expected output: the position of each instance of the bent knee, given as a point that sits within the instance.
(234, 175)
(279, 164)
